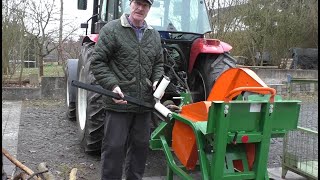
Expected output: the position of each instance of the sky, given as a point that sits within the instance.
(71, 16)
(71, 13)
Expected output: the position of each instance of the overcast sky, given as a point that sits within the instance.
(71, 13)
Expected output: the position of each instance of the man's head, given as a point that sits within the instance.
(139, 10)
(149, 1)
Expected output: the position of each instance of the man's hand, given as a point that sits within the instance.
(154, 86)
(117, 90)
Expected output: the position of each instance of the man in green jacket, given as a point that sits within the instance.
(127, 59)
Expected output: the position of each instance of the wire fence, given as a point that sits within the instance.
(300, 147)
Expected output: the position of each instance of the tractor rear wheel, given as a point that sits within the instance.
(205, 73)
(89, 106)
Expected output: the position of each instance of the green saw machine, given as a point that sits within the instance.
(228, 135)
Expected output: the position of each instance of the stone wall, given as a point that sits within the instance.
(50, 88)
(18, 93)
(54, 87)
(278, 79)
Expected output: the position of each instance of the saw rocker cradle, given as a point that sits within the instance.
(228, 135)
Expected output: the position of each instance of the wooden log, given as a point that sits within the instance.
(47, 175)
(73, 174)
(19, 164)
(22, 175)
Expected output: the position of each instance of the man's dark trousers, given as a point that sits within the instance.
(126, 138)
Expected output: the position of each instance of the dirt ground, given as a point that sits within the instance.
(46, 135)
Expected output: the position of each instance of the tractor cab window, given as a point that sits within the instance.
(176, 15)
(110, 15)
(103, 12)
(107, 12)
(120, 8)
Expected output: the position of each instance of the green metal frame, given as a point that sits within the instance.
(257, 118)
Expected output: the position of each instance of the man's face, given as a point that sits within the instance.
(139, 9)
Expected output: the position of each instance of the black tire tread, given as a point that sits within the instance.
(71, 111)
(211, 67)
(95, 113)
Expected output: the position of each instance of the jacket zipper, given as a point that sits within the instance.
(140, 84)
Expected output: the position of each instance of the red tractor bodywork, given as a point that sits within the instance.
(206, 46)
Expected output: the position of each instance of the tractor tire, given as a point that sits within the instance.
(89, 106)
(205, 73)
(70, 94)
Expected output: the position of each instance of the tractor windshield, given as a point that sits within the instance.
(176, 15)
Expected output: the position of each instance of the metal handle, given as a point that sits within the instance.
(239, 89)
(105, 92)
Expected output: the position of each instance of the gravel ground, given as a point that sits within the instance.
(46, 135)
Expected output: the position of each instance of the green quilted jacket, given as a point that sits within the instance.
(120, 59)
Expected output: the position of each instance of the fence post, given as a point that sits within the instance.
(289, 87)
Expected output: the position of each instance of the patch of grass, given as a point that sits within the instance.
(49, 70)
(64, 170)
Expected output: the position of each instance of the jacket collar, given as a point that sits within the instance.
(125, 23)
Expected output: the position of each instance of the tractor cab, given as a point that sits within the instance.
(188, 16)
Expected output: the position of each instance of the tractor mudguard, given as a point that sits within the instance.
(90, 38)
(70, 98)
(206, 46)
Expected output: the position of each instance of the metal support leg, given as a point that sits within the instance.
(169, 173)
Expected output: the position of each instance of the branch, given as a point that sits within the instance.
(17, 163)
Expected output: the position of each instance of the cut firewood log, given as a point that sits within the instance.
(47, 175)
(73, 174)
(19, 164)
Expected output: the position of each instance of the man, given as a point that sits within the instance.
(127, 59)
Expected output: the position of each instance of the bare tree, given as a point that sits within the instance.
(13, 37)
(71, 48)
(60, 33)
(10, 28)
(43, 15)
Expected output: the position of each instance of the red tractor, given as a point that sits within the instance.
(192, 62)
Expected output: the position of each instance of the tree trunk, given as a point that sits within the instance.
(40, 66)
(60, 34)
(5, 61)
(22, 61)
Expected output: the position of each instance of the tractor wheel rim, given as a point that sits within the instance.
(82, 102)
(67, 91)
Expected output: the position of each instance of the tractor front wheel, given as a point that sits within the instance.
(89, 106)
